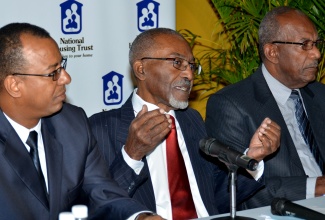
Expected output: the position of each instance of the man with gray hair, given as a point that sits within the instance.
(151, 143)
(284, 89)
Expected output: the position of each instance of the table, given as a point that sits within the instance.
(264, 213)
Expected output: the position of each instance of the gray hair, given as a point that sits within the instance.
(144, 43)
(269, 29)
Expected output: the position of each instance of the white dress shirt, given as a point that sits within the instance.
(281, 93)
(158, 168)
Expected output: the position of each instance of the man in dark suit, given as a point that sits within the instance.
(288, 44)
(134, 138)
(67, 168)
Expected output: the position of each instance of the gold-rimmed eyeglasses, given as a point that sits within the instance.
(55, 74)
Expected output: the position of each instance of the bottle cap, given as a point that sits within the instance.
(80, 211)
(66, 216)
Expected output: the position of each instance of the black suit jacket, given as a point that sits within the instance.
(75, 167)
(234, 114)
(111, 129)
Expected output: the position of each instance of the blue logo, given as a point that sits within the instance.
(148, 14)
(112, 88)
(71, 17)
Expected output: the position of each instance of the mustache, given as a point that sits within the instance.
(183, 82)
(314, 64)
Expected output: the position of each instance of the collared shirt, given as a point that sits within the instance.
(281, 93)
(23, 133)
(157, 164)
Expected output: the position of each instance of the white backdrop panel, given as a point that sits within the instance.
(95, 36)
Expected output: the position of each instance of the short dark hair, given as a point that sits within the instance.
(11, 56)
(269, 29)
(144, 43)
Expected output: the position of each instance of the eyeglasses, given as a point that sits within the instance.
(55, 74)
(179, 63)
(306, 45)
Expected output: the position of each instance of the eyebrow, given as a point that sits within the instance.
(54, 65)
(183, 57)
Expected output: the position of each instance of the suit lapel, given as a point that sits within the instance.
(16, 154)
(315, 115)
(127, 115)
(54, 157)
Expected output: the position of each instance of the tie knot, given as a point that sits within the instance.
(32, 139)
(294, 95)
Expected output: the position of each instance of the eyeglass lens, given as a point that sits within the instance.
(182, 64)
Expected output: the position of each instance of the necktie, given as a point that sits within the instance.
(32, 143)
(305, 129)
(179, 187)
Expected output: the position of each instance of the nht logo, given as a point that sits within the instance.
(112, 88)
(71, 17)
(148, 14)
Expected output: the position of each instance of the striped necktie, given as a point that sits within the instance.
(305, 129)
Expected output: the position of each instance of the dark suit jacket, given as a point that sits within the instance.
(74, 165)
(234, 114)
(111, 129)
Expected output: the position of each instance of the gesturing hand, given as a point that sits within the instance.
(146, 131)
(265, 140)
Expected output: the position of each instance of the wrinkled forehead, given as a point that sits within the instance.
(294, 24)
(172, 45)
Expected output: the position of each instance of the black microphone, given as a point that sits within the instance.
(212, 147)
(284, 207)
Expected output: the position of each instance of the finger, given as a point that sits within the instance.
(144, 109)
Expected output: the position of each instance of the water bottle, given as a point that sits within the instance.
(80, 212)
(66, 216)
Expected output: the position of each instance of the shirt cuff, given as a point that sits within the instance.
(259, 170)
(136, 165)
(310, 187)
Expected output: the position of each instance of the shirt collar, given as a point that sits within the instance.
(138, 102)
(23, 132)
(280, 92)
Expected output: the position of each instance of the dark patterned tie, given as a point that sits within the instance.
(305, 129)
(32, 143)
(179, 187)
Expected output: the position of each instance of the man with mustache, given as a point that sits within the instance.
(136, 138)
(289, 48)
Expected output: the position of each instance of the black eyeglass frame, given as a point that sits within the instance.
(55, 74)
(193, 66)
(306, 45)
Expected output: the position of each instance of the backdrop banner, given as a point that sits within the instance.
(95, 36)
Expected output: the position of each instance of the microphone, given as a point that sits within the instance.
(212, 147)
(284, 207)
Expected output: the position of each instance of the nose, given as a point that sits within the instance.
(315, 53)
(65, 78)
(187, 73)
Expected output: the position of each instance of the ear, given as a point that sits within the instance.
(138, 70)
(11, 84)
(271, 53)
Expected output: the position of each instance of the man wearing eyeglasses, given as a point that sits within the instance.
(48, 157)
(151, 143)
(284, 89)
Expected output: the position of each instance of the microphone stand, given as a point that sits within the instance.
(232, 168)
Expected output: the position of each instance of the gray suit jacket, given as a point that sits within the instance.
(75, 167)
(234, 114)
(111, 129)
